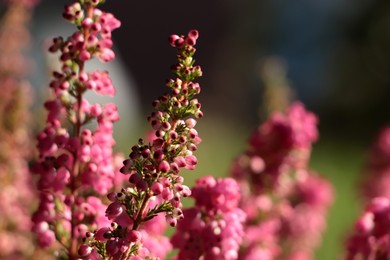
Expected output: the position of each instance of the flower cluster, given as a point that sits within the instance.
(376, 179)
(153, 167)
(76, 163)
(213, 228)
(15, 147)
(371, 239)
(278, 195)
(303, 218)
(276, 147)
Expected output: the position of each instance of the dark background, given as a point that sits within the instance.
(336, 52)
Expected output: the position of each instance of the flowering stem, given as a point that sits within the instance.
(73, 254)
(139, 219)
(74, 175)
(154, 166)
(137, 222)
(71, 177)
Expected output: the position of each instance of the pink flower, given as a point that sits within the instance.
(212, 231)
(157, 244)
(46, 238)
(101, 82)
(371, 235)
(376, 181)
(114, 210)
(85, 250)
(221, 194)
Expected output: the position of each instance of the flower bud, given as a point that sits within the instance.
(164, 166)
(156, 188)
(133, 235)
(114, 210)
(84, 250)
(172, 40)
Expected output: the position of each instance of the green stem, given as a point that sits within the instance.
(137, 222)
(73, 245)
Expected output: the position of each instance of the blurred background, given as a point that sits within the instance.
(332, 55)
